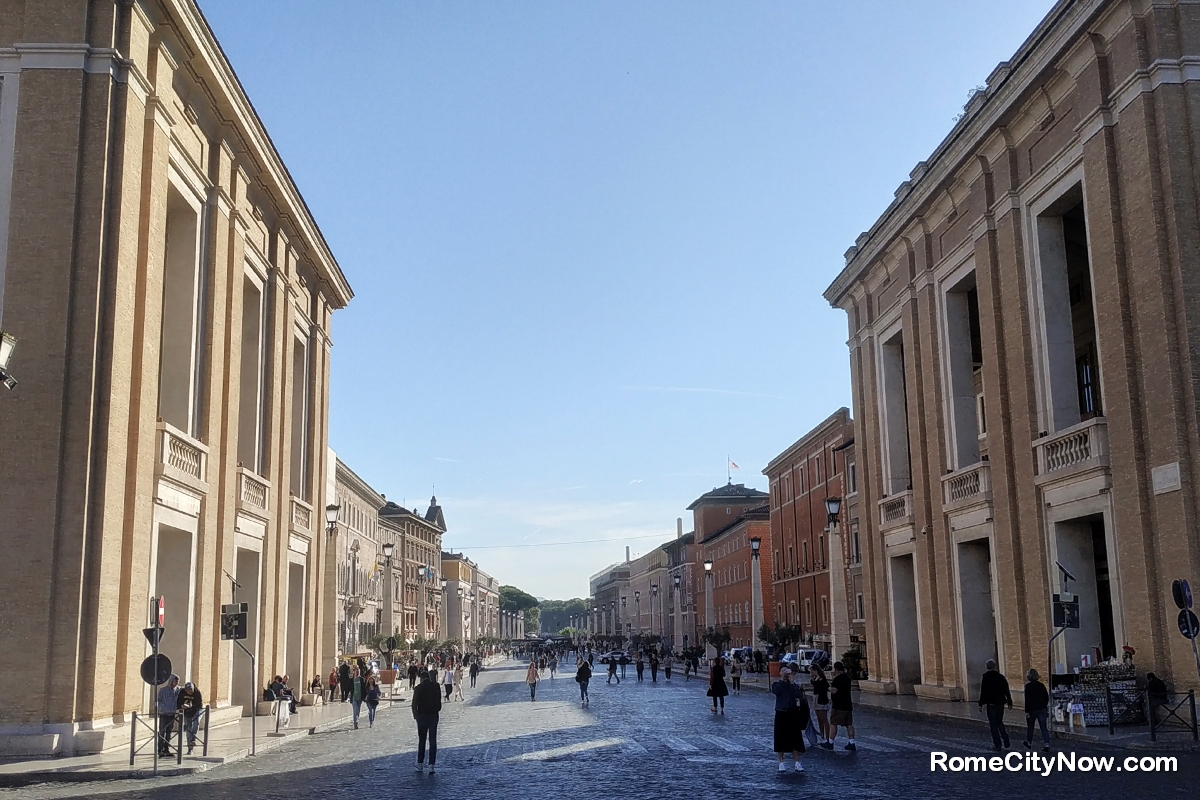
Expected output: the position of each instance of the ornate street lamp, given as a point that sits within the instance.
(833, 505)
(331, 515)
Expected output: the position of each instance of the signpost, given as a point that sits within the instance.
(156, 669)
(233, 628)
(1189, 625)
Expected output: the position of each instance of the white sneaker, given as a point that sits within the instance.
(782, 767)
(419, 767)
(799, 767)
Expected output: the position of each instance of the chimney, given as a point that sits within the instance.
(679, 527)
(626, 554)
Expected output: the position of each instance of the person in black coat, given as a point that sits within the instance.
(426, 708)
(717, 689)
(994, 695)
(344, 680)
(583, 674)
(1037, 706)
(412, 675)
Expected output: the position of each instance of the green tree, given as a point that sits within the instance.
(717, 638)
(513, 599)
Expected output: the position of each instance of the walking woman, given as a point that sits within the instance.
(654, 667)
(735, 672)
(791, 717)
(458, 682)
(583, 674)
(667, 667)
(531, 678)
(372, 700)
(358, 692)
(820, 687)
(639, 665)
(717, 689)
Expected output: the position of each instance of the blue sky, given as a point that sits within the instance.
(588, 241)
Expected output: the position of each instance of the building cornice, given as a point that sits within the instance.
(837, 418)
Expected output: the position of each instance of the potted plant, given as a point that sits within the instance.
(769, 635)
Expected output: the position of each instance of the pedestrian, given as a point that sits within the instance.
(190, 702)
(994, 695)
(541, 664)
(372, 700)
(624, 661)
(583, 674)
(820, 687)
(791, 718)
(345, 680)
(695, 666)
(639, 666)
(1156, 693)
(612, 671)
(358, 692)
(667, 667)
(1037, 706)
(842, 712)
(333, 684)
(735, 672)
(168, 697)
(474, 671)
(553, 665)
(717, 689)
(654, 667)
(448, 681)
(426, 707)
(532, 678)
(412, 673)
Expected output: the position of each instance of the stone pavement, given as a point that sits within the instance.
(634, 740)
(227, 743)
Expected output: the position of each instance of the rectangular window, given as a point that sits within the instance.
(858, 601)
(824, 610)
(808, 613)
(804, 551)
(793, 613)
(852, 471)
(821, 550)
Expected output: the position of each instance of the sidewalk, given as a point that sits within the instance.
(227, 743)
(1132, 736)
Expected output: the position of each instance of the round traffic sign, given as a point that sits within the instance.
(156, 670)
(1181, 593)
(391, 643)
(1189, 625)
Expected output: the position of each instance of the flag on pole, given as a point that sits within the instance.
(733, 465)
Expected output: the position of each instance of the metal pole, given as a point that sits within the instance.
(133, 729)
(154, 703)
(207, 710)
(179, 737)
(253, 695)
(1192, 703)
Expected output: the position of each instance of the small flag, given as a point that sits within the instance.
(733, 465)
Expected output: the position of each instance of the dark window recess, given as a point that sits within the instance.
(973, 323)
(1085, 372)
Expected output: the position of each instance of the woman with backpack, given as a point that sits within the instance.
(791, 717)
(372, 700)
(583, 674)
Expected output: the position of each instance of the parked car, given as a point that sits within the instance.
(790, 660)
(804, 658)
(615, 655)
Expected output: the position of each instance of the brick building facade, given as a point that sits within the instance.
(1024, 346)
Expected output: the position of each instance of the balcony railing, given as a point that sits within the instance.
(971, 483)
(1085, 444)
(301, 514)
(253, 491)
(896, 510)
(181, 453)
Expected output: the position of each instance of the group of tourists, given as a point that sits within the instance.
(175, 703)
(832, 704)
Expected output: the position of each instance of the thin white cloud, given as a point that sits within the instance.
(447, 460)
(700, 390)
(635, 480)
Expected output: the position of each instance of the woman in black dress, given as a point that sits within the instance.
(717, 689)
(791, 718)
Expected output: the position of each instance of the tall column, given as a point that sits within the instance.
(756, 599)
(709, 650)
(387, 597)
(838, 612)
(677, 619)
(422, 629)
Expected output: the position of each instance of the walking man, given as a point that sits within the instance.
(344, 680)
(842, 712)
(474, 671)
(412, 674)
(426, 707)
(583, 674)
(190, 703)
(1037, 706)
(612, 671)
(994, 694)
(168, 697)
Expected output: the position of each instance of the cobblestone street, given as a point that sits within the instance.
(635, 740)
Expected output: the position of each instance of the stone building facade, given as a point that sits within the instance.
(172, 295)
(357, 592)
(681, 598)
(418, 558)
(1024, 345)
(644, 601)
(816, 576)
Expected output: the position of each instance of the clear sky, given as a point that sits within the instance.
(588, 241)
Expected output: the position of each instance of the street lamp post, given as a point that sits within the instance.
(388, 547)
(677, 627)
(839, 621)
(654, 602)
(422, 631)
(624, 617)
(612, 617)
(637, 599)
(709, 650)
(756, 599)
(462, 618)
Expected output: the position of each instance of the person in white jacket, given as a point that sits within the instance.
(448, 680)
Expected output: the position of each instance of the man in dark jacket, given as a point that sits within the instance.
(994, 695)
(426, 707)
(474, 671)
(1037, 706)
(190, 702)
(344, 680)
(412, 675)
